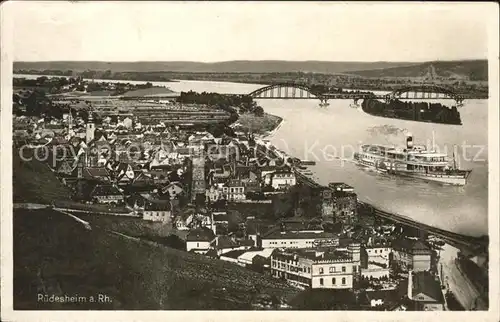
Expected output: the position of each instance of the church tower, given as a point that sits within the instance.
(90, 128)
(71, 133)
(354, 249)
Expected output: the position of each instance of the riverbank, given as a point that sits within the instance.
(375, 87)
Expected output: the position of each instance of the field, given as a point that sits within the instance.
(157, 90)
(54, 254)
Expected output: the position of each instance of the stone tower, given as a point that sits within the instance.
(198, 174)
(354, 250)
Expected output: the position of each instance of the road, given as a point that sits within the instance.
(457, 283)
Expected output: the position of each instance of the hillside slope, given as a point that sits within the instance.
(34, 182)
(53, 254)
(476, 70)
(264, 66)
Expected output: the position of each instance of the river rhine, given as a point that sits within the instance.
(321, 134)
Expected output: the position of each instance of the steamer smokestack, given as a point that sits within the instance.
(409, 141)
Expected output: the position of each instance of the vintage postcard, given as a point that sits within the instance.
(324, 160)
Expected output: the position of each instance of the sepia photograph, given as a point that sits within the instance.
(249, 156)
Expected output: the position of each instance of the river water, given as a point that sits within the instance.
(327, 134)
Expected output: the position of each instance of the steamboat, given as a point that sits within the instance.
(412, 161)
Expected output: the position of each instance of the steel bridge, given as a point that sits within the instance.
(285, 91)
(425, 92)
(299, 91)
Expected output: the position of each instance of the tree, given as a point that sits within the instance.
(259, 111)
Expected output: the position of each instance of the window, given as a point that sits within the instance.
(197, 245)
(321, 270)
(332, 269)
(320, 281)
(309, 270)
(334, 281)
(343, 280)
(354, 269)
(343, 269)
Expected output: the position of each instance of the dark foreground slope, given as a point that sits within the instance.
(33, 181)
(55, 255)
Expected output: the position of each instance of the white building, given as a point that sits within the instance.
(234, 190)
(378, 254)
(199, 240)
(157, 211)
(317, 268)
(412, 254)
(247, 257)
(282, 180)
(288, 239)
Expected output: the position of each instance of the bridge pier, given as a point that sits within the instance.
(323, 102)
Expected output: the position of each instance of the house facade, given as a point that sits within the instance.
(424, 289)
(157, 210)
(315, 268)
(199, 240)
(107, 194)
(412, 255)
(283, 180)
(280, 239)
(234, 190)
(339, 205)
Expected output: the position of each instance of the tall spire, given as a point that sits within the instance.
(90, 118)
(90, 128)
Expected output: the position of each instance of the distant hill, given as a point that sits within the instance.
(239, 66)
(475, 70)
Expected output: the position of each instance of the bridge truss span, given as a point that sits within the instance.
(425, 92)
(284, 91)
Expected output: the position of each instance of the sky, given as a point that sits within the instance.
(222, 31)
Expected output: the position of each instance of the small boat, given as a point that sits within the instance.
(307, 162)
(306, 172)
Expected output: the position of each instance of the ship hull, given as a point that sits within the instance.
(458, 180)
(443, 178)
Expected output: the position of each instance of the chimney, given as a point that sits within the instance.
(410, 284)
(409, 141)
